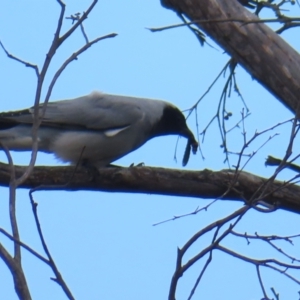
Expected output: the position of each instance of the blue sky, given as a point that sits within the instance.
(104, 243)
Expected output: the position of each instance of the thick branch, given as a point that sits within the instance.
(202, 184)
(263, 53)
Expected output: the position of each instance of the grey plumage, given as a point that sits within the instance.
(95, 129)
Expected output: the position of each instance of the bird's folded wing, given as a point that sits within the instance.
(96, 112)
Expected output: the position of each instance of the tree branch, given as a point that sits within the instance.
(224, 184)
(261, 51)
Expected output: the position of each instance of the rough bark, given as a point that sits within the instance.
(206, 184)
(262, 52)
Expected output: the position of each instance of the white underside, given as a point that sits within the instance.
(89, 147)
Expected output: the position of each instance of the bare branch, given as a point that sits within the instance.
(59, 279)
(287, 21)
(195, 212)
(204, 184)
(19, 278)
(246, 43)
(27, 64)
(261, 282)
(81, 19)
(74, 56)
(14, 264)
(268, 263)
(180, 269)
(29, 249)
(74, 18)
(269, 240)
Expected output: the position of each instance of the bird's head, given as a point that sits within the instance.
(172, 122)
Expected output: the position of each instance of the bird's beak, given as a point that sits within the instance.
(191, 144)
(190, 136)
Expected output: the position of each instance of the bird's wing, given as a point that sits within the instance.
(96, 111)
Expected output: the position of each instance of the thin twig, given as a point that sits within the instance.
(261, 282)
(264, 262)
(27, 64)
(59, 279)
(29, 249)
(243, 21)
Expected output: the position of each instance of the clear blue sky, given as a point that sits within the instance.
(104, 243)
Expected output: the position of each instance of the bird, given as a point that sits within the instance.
(96, 129)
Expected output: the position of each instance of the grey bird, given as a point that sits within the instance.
(96, 129)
